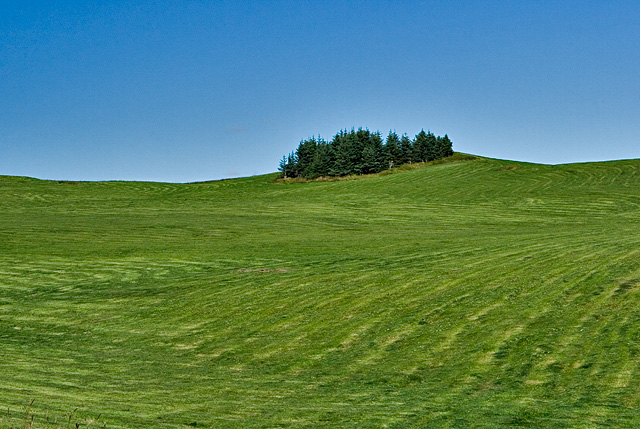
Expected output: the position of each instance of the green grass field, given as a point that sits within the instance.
(476, 293)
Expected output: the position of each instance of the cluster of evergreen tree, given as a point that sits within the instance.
(361, 152)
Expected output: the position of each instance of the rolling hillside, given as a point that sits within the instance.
(480, 293)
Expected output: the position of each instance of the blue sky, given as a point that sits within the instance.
(194, 90)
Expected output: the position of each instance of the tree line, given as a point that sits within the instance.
(361, 152)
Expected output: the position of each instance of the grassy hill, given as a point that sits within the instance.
(476, 293)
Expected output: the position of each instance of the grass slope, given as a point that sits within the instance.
(473, 294)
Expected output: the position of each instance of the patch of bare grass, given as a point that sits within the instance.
(509, 167)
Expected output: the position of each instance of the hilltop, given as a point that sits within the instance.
(474, 293)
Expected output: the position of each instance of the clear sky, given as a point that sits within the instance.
(195, 90)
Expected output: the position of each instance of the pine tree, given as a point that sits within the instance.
(355, 147)
(322, 161)
(289, 166)
(282, 166)
(305, 154)
(445, 147)
(372, 160)
(342, 155)
(393, 153)
(406, 149)
(420, 147)
(431, 147)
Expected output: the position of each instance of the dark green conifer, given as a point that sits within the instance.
(431, 147)
(341, 145)
(322, 161)
(406, 149)
(305, 155)
(420, 147)
(393, 153)
(372, 160)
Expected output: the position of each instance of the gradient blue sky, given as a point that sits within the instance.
(194, 90)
